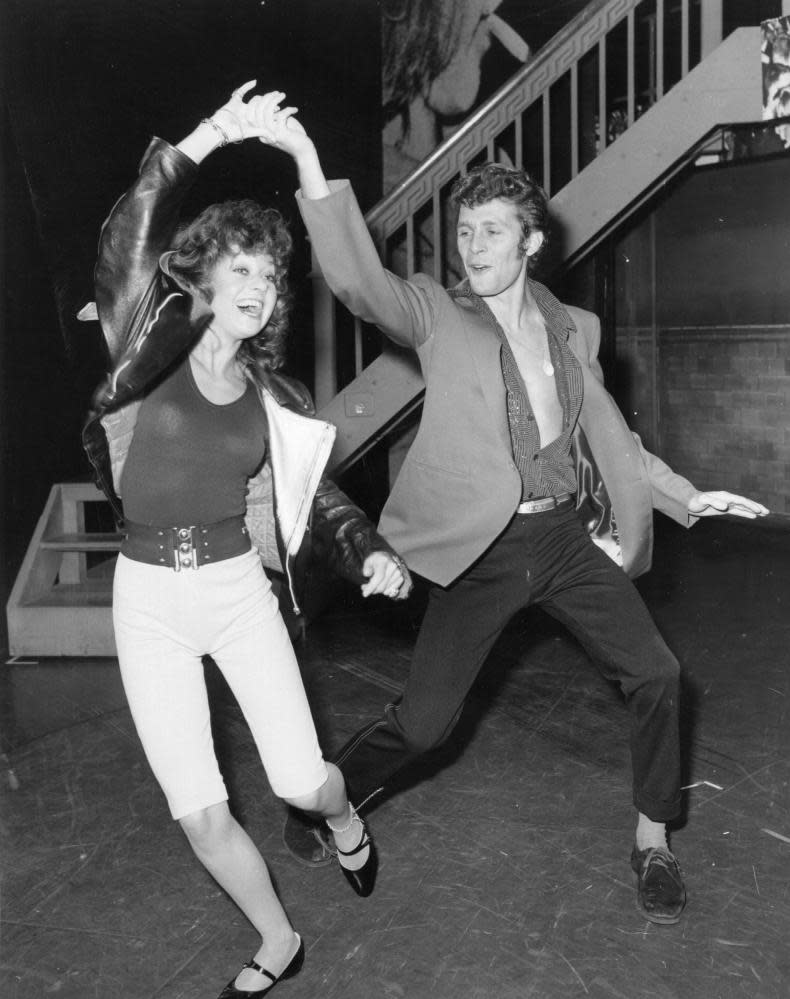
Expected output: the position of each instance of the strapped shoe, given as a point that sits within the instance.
(306, 840)
(661, 894)
(294, 965)
(363, 878)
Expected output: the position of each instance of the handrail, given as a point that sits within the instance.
(527, 85)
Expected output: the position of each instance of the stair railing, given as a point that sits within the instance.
(561, 110)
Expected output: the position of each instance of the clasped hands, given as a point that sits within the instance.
(261, 117)
(386, 575)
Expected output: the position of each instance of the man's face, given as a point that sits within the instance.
(492, 246)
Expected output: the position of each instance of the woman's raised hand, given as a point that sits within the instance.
(262, 117)
(259, 117)
(242, 119)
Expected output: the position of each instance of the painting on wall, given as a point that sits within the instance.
(433, 52)
(776, 75)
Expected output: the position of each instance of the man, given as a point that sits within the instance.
(517, 431)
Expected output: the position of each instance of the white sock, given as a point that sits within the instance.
(650, 834)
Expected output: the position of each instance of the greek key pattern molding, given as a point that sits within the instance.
(530, 85)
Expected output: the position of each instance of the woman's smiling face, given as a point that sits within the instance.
(244, 293)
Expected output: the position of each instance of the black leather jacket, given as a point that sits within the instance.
(147, 325)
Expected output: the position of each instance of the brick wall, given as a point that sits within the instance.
(716, 406)
(702, 329)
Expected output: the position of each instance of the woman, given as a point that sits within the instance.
(210, 448)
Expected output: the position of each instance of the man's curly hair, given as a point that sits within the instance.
(494, 180)
(225, 229)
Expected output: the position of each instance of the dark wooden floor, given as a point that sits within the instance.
(504, 871)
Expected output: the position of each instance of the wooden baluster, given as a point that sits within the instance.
(712, 26)
(630, 69)
(438, 241)
(518, 138)
(546, 106)
(659, 49)
(325, 326)
(574, 119)
(684, 38)
(602, 113)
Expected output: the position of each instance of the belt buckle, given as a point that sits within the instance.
(184, 554)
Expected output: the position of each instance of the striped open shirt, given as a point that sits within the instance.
(548, 470)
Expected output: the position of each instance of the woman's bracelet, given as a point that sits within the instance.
(224, 138)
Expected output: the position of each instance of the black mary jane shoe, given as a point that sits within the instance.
(294, 965)
(364, 878)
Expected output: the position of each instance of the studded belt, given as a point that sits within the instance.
(544, 503)
(185, 547)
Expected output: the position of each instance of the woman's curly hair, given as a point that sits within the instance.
(225, 229)
(494, 180)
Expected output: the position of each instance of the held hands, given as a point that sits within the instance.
(260, 117)
(716, 503)
(238, 119)
(386, 575)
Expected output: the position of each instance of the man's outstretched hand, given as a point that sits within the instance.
(716, 503)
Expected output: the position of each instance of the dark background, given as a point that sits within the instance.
(85, 85)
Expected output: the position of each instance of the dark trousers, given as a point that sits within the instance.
(545, 559)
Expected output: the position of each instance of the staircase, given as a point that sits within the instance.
(554, 118)
(547, 120)
(60, 603)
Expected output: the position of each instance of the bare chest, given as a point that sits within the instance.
(536, 370)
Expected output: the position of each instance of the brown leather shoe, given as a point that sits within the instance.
(308, 841)
(661, 894)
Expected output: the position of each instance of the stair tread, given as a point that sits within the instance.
(90, 541)
(91, 593)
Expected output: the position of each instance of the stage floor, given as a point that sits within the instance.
(504, 870)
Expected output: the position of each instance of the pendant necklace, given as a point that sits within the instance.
(546, 366)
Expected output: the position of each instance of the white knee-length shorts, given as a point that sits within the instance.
(165, 622)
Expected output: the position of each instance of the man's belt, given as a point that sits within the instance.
(544, 503)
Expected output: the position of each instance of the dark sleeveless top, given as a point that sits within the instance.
(190, 458)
